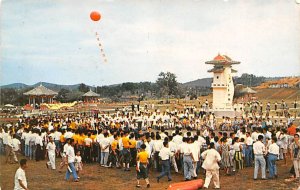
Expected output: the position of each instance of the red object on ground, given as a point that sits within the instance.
(187, 185)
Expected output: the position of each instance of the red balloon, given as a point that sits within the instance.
(95, 16)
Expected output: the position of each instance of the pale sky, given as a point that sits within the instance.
(54, 41)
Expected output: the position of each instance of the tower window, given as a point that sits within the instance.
(217, 77)
(228, 99)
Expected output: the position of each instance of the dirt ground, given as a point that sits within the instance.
(96, 177)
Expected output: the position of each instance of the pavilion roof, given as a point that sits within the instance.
(40, 91)
(91, 94)
(248, 90)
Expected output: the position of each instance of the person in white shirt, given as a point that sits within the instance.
(165, 155)
(254, 134)
(295, 155)
(205, 133)
(284, 138)
(9, 149)
(70, 159)
(56, 138)
(99, 138)
(158, 145)
(63, 161)
(39, 154)
(149, 147)
(27, 139)
(238, 159)
(188, 160)
(104, 144)
(269, 123)
(5, 137)
(20, 176)
(162, 134)
(211, 158)
(195, 147)
(177, 139)
(51, 153)
(249, 150)
(173, 149)
(78, 163)
(88, 148)
(273, 153)
(259, 150)
(16, 146)
(32, 146)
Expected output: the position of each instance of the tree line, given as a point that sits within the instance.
(166, 86)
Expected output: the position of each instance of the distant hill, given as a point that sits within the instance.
(52, 86)
(278, 94)
(15, 86)
(277, 83)
(201, 83)
(58, 87)
(244, 79)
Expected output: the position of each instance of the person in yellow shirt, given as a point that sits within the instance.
(141, 166)
(73, 125)
(118, 125)
(133, 150)
(75, 137)
(126, 151)
(114, 152)
(80, 143)
(46, 125)
(62, 138)
(94, 147)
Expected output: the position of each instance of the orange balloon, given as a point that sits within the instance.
(95, 16)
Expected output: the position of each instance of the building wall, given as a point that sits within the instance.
(223, 90)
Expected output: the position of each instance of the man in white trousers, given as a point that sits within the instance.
(210, 164)
(173, 148)
(51, 153)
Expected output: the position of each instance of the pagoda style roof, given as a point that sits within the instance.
(220, 69)
(222, 60)
(91, 94)
(248, 90)
(41, 91)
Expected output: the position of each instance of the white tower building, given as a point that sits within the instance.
(223, 88)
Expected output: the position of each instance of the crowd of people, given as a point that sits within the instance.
(185, 141)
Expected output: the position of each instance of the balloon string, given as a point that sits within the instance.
(101, 47)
